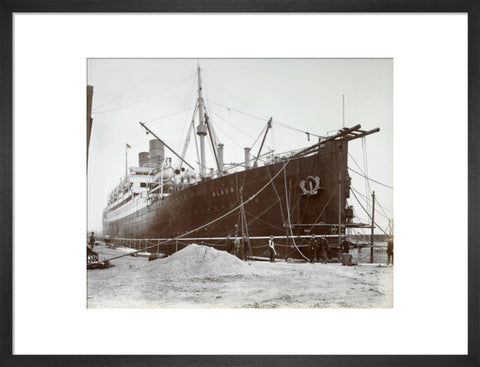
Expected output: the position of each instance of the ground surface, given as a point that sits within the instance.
(200, 276)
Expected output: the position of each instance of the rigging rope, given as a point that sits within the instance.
(144, 99)
(288, 216)
(368, 190)
(234, 109)
(366, 200)
(212, 77)
(251, 137)
(369, 216)
(122, 94)
(169, 115)
(324, 208)
(354, 161)
(188, 102)
(282, 215)
(370, 179)
(298, 130)
(255, 218)
(258, 137)
(233, 125)
(265, 119)
(228, 136)
(383, 210)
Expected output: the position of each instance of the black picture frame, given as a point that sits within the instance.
(471, 7)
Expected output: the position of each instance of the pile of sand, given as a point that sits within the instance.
(195, 261)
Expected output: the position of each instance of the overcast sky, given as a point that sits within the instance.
(302, 93)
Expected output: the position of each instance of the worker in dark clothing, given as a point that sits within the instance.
(228, 245)
(313, 249)
(271, 247)
(324, 249)
(246, 247)
(390, 251)
(345, 246)
(91, 240)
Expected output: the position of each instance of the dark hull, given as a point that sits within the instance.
(267, 214)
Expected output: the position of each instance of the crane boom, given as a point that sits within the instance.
(269, 125)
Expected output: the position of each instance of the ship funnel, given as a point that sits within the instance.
(157, 153)
(220, 157)
(143, 159)
(247, 158)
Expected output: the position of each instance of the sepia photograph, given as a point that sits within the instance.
(240, 183)
(248, 182)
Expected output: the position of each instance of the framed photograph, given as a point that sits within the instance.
(204, 252)
(236, 217)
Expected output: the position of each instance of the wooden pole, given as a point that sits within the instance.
(339, 213)
(373, 226)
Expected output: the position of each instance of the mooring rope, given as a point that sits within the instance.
(370, 179)
(288, 216)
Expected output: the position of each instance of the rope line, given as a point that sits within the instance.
(368, 190)
(265, 119)
(234, 109)
(144, 99)
(366, 200)
(123, 94)
(288, 217)
(370, 179)
(233, 125)
(382, 208)
(212, 78)
(170, 114)
(369, 216)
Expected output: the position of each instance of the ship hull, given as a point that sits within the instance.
(296, 196)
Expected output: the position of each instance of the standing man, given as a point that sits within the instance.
(91, 240)
(390, 251)
(271, 247)
(228, 245)
(345, 246)
(313, 249)
(323, 249)
(245, 247)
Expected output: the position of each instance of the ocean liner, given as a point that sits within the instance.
(163, 206)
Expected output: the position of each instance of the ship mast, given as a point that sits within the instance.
(201, 128)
